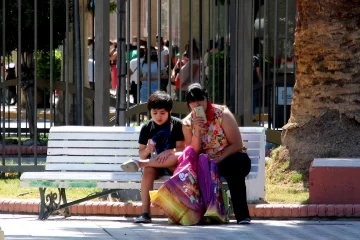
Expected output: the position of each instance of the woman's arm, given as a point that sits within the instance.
(191, 139)
(232, 134)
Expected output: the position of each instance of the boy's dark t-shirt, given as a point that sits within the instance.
(165, 136)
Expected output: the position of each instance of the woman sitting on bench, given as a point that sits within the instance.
(216, 133)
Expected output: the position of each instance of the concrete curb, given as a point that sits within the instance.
(134, 209)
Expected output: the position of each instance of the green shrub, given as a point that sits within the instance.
(43, 65)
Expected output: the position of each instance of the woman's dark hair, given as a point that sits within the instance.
(153, 55)
(196, 92)
(159, 100)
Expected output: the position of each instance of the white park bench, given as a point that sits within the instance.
(90, 157)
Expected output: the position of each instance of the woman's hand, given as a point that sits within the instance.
(198, 123)
(218, 159)
(161, 157)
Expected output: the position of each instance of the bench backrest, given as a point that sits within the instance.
(82, 148)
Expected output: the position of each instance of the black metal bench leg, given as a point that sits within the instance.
(42, 203)
(66, 211)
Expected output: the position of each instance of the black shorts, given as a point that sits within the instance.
(164, 172)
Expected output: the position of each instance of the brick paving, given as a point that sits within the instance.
(257, 211)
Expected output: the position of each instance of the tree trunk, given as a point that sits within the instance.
(325, 112)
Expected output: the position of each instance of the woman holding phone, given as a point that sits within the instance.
(214, 131)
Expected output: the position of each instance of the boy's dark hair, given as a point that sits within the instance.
(196, 92)
(159, 100)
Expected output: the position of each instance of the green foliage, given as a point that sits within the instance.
(27, 24)
(91, 6)
(43, 70)
(216, 61)
(296, 177)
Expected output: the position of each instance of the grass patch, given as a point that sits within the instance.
(10, 188)
(282, 184)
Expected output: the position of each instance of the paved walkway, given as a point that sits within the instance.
(106, 228)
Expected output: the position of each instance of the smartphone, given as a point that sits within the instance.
(199, 111)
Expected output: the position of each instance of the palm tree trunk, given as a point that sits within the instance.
(325, 112)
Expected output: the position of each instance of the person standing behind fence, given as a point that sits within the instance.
(134, 72)
(219, 137)
(164, 63)
(184, 76)
(149, 68)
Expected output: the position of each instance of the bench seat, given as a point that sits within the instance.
(90, 157)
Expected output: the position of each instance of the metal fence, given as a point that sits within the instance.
(73, 67)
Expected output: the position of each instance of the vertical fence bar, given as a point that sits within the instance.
(201, 44)
(217, 58)
(138, 57)
(286, 56)
(3, 82)
(264, 70)
(170, 46)
(149, 50)
(159, 43)
(201, 40)
(275, 64)
(128, 44)
(208, 47)
(79, 80)
(225, 48)
(67, 72)
(35, 81)
(191, 46)
(237, 47)
(19, 84)
(180, 47)
(51, 60)
(214, 50)
(121, 86)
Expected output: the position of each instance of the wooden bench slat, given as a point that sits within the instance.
(99, 136)
(93, 152)
(87, 159)
(94, 129)
(251, 137)
(84, 167)
(252, 145)
(82, 176)
(93, 144)
(83, 184)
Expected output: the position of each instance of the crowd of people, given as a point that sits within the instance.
(165, 139)
(177, 69)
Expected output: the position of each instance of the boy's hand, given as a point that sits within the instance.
(150, 146)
